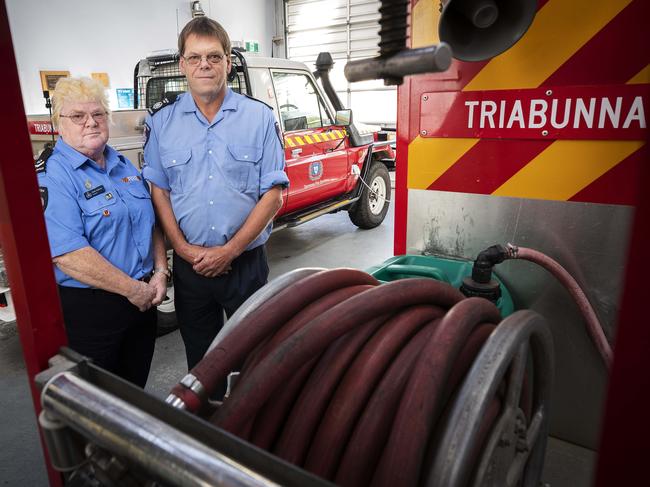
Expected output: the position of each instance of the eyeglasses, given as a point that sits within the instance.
(82, 118)
(195, 59)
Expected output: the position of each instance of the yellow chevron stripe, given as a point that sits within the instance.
(316, 137)
(338, 133)
(425, 17)
(566, 167)
(560, 28)
(309, 139)
(641, 77)
(430, 158)
(289, 142)
(298, 140)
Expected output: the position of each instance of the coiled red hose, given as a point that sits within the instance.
(347, 378)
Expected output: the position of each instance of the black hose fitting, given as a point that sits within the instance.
(481, 284)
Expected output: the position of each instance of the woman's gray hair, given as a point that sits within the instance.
(77, 90)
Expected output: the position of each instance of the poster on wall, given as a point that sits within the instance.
(124, 97)
(49, 78)
(102, 78)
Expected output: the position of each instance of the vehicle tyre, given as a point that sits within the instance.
(370, 210)
(167, 321)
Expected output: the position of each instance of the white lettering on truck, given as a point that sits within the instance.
(581, 113)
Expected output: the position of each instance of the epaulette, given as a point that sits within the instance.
(41, 162)
(168, 100)
(258, 100)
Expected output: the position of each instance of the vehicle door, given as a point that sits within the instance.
(315, 149)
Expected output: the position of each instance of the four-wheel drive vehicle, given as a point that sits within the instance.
(332, 163)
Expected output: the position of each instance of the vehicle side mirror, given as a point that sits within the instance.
(344, 118)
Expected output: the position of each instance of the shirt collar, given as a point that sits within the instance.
(76, 159)
(112, 158)
(230, 102)
(70, 155)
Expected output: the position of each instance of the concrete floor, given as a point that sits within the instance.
(330, 241)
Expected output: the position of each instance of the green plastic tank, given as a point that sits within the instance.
(451, 271)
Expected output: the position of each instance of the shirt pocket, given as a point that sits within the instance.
(140, 208)
(137, 190)
(98, 204)
(99, 216)
(176, 165)
(242, 168)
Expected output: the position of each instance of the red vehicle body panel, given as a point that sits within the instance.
(317, 165)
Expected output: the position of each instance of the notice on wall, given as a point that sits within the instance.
(102, 78)
(252, 46)
(124, 97)
(49, 78)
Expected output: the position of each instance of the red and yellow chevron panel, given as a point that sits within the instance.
(562, 115)
(313, 138)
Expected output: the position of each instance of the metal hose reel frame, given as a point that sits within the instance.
(504, 356)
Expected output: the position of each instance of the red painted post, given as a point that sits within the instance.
(23, 235)
(624, 441)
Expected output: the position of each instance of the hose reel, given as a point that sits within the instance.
(368, 384)
(356, 383)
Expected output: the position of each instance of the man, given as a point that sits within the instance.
(216, 165)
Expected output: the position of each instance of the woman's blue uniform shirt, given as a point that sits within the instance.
(215, 172)
(109, 210)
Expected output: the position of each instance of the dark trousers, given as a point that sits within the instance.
(200, 301)
(111, 331)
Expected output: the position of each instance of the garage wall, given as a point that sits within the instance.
(348, 30)
(84, 36)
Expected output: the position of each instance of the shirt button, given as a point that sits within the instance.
(174, 160)
(212, 228)
(245, 157)
(209, 152)
(210, 176)
(212, 202)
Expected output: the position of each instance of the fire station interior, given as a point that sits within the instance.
(469, 310)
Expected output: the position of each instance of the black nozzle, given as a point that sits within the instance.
(486, 260)
(481, 284)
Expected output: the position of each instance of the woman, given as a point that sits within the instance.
(102, 235)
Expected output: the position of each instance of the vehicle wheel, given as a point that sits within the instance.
(370, 210)
(167, 314)
(167, 321)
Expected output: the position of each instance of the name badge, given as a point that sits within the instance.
(94, 192)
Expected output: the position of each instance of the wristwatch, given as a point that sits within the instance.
(162, 270)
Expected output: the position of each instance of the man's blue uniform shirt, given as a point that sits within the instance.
(215, 172)
(107, 209)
